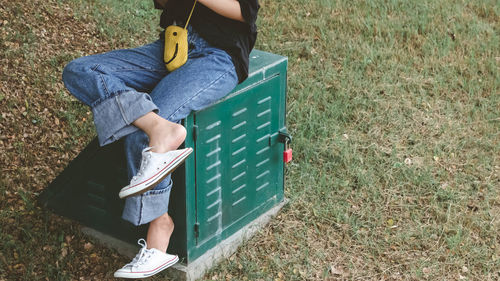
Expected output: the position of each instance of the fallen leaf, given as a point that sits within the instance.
(336, 271)
(64, 252)
(88, 246)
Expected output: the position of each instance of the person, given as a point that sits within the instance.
(133, 96)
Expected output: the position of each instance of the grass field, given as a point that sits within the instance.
(395, 111)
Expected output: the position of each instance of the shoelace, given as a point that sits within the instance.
(146, 152)
(143, 255)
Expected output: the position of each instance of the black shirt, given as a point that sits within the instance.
(235, 37)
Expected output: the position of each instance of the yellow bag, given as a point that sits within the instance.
(176, 45)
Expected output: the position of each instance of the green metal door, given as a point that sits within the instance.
(238, 168)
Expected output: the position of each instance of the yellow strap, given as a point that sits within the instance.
(190, 14)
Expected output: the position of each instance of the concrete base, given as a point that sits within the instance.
(197, 268)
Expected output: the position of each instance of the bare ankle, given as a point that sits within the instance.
(167, 136)
(159, 232)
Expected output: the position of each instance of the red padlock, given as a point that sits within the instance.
(287, 154)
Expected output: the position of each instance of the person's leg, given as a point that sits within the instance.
(115, 85)
(163, 135)
(110, 82)
(207, 76)
(159, 232)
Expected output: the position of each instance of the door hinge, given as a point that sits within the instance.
(195, 132)
(196, 230)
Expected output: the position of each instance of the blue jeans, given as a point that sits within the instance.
(123, 85)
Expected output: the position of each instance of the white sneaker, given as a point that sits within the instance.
(146, 263)
(154, 168)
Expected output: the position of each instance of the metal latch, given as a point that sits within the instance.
(286, 138)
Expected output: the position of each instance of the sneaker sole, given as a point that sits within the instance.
(158, 178)
(148, 274)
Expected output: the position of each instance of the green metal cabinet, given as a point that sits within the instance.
(234, 175)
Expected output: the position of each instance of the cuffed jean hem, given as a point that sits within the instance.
(114, 115)
(144, 208)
